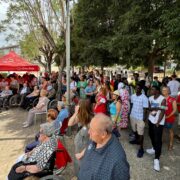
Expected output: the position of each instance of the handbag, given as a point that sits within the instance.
(17, 176)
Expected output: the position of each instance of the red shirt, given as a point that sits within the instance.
(101, 108)
(178, 101)
(169, 109)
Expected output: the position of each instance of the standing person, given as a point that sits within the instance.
(138, 115)
(178, 107)
(98, 85)
(82, 116)
(115, 109)
(81, 86)
(171, 108)
(117, 81)
(73, 85)
(101, 102)
(104, 158)
(155, 82)
(157, 104)
(174, 86)
(125, 105)
(90, 91)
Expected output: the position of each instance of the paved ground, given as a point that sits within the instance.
(13, 139)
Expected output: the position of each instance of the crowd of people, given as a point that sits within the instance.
(104, 106)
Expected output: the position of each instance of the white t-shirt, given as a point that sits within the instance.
(154, 115)
(139, 103)
(73, 85)
(174, 87)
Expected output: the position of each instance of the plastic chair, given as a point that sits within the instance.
(41, 113)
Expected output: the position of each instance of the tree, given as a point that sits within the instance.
(48, 16)
(131, 33)
(91, 33)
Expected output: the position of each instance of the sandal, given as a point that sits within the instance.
(170, 147)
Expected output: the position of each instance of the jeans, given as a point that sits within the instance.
(155, 134)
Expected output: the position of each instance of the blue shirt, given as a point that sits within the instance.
(106, 163)
(112, 107)
(63, 114)
(90, 89)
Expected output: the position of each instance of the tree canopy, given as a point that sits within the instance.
(130, 33)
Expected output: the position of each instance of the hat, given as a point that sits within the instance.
(72, 95)
(116, 93)
(48, 129)
(61, 103)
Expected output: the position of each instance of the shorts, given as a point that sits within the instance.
(137, 125)
(168, 125)
(118, 120)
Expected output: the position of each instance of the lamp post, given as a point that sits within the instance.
(68, 50)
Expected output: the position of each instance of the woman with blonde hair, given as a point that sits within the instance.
(115, 109)
(40, 107)
(171, 108)
(81, 117)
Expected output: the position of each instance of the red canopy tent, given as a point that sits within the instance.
(13, 62)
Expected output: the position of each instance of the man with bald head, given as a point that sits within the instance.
(104, 158)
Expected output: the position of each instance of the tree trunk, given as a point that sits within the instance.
(82, 70)
(102, 69)
(49, 68)
(151, 62)
(165, 64)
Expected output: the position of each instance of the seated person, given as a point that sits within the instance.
(3, 84)
(30, 98)
(63, 114)
(22, 93)
(5, 94)
(51, 92)
(40, 107)
(14, 85)
(51, 116)
(72, 103)
(104, 157)
(36, 160)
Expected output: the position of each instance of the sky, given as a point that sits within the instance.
(3, 9)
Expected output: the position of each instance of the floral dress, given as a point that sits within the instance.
(125, 108)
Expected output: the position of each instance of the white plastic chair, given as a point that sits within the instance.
(41, 113)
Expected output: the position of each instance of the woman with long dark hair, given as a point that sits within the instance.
(81, 117)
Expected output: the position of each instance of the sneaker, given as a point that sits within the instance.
(134, 142)
(150, 151)
(140, 153)
(132, 135)
(24, 123)
(25, 126)
(156, 165)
